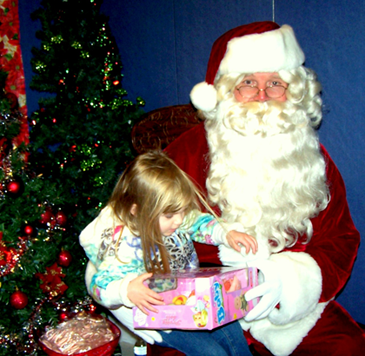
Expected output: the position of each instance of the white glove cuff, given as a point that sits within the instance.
(302, 286)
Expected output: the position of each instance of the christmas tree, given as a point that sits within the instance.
(53, 187)
(81, 133)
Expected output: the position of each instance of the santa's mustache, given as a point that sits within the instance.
(261, 118)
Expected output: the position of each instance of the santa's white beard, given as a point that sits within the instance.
(266, 169)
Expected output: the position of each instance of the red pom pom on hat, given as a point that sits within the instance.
(256, 47)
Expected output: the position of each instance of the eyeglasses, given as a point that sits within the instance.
(272, 91)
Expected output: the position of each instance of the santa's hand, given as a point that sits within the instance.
(270, 290)
(125, 316)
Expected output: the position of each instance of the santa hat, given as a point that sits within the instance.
(256, 47)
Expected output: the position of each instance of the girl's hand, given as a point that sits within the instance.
(235, 239)
(141, 296)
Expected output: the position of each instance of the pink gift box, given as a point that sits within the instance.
(199, 299)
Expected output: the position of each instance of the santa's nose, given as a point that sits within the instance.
(261, 96)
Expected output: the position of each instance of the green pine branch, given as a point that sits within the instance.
(79, 145)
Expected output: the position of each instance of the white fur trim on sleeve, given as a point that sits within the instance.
(282, 340)
(302, 286)
(284, 329)
(204, 96)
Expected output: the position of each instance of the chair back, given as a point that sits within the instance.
(158, 128)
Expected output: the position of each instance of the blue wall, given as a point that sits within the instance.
(165, 46)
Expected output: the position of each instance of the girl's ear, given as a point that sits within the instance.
(134, 209)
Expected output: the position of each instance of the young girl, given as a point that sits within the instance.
(148, 226)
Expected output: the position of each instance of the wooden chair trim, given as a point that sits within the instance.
(158, 128)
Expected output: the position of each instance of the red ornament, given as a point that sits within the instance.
(29, 230)
(19, 300)
(47, 216)
(64, 316)
(64, 258)
(61, 218)
(15, 187)
(92, 308)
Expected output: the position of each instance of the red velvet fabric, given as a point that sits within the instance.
(220, 45)
(182, 151)
(335, 334)
(334, 246)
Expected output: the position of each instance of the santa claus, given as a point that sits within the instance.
(259, 158)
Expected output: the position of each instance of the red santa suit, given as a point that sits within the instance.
(310, 272)
(327, 329)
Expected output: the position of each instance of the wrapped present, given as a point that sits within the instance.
(199, 299)
(83, 335)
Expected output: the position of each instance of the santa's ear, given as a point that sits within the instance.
(134, 209)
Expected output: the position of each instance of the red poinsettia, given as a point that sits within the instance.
(6, 253)
(10, 256)
(52, 283)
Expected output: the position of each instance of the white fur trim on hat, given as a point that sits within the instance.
(204, 96)
(270, 51)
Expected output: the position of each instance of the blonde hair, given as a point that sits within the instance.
(155, 185)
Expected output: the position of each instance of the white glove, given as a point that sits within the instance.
(125, 316)
(270, 290)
